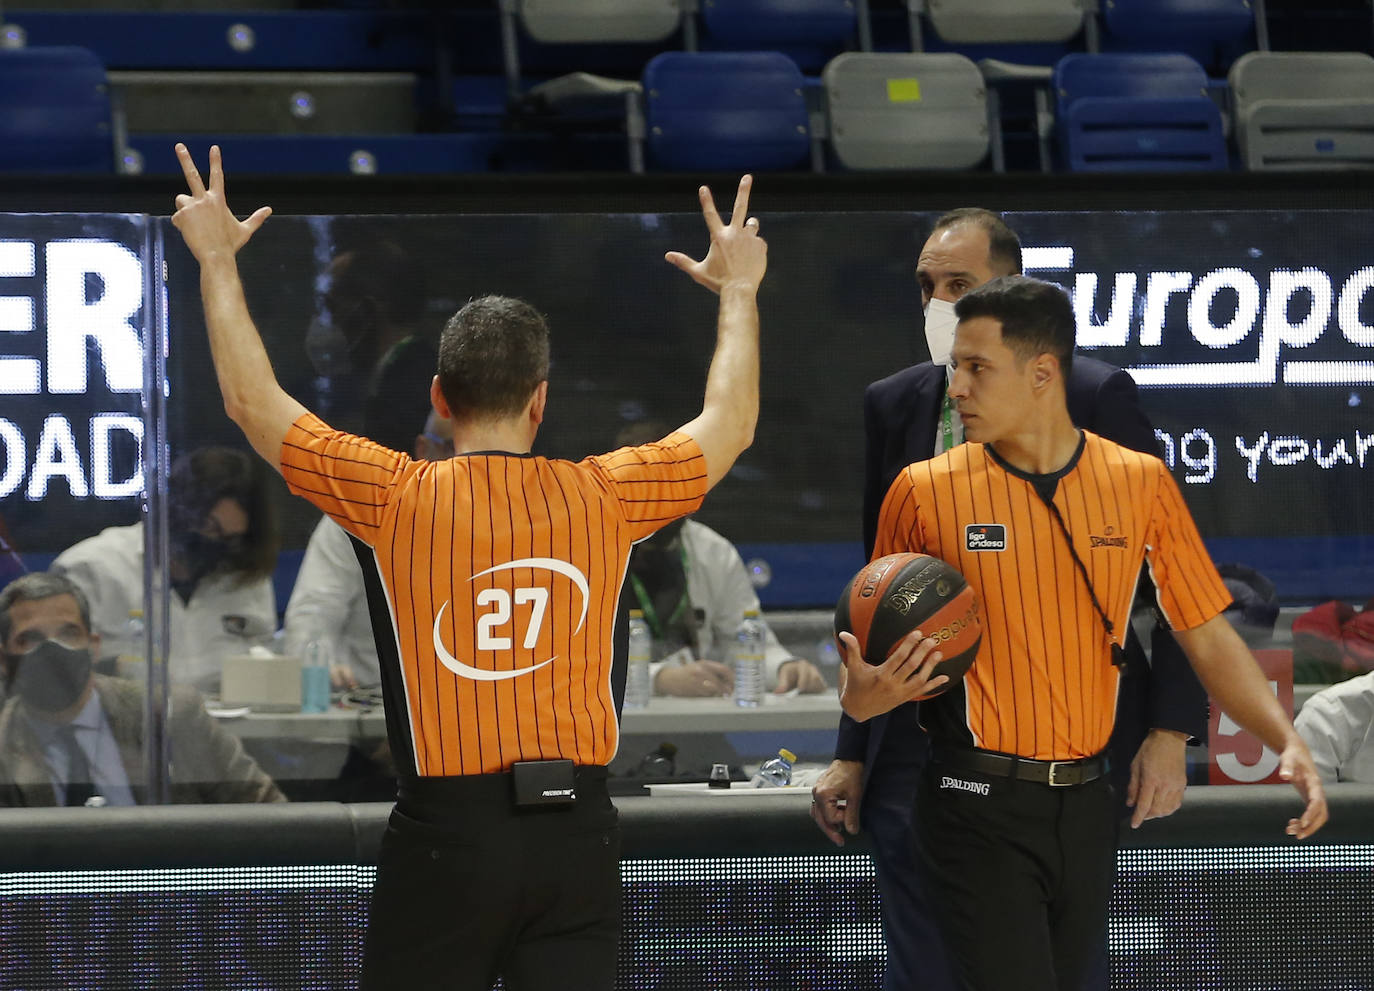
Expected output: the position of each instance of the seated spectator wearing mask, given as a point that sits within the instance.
(69, 736)
(693, 588)
(329, 602)
(224, 544)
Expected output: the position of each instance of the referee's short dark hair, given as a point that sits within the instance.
(493, 354)
(1004, 247)
(1036, 317)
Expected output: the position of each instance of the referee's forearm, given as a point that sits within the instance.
(732, 384)
(253, 398)
(1231, 676)
(241, 361)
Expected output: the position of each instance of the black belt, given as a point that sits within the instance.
(1055, 773)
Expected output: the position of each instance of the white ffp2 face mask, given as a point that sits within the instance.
(940, 324)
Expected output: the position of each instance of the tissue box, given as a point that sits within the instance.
(267, 684)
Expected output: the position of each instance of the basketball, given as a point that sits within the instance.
(899, 593)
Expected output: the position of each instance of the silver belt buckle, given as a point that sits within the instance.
(1055, 765)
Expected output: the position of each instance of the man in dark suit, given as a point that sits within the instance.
(873, 778)
(69, 736)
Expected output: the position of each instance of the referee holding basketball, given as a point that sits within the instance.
(908, 417)
(492, 580)
(1014, 815)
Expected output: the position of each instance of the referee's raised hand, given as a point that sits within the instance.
(203, 215)
(738, 256)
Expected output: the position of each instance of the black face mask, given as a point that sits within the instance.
(201, 554)
(51, 676)
(657, 560)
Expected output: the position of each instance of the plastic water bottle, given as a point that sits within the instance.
(749, 660)
(637, 686)
(133, 631)
(315, 667)
(776, 772)
(130, 662)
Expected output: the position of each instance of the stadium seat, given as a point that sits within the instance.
(1304, 110)
(1015, 43)
(808, 31)
(583, 22)
(905, 111)
(1164, 22)
(1136, 113)
(733, 111)
(1019, 22)
(54, 112)
(1214, 32)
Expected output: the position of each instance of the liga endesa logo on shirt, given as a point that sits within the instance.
(985, 537)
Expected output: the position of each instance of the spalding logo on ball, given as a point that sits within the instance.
(899, 593)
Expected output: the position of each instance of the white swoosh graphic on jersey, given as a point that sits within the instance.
(482, 674)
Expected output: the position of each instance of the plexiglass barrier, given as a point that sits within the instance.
(1250, 334)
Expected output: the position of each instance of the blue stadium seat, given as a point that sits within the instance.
(1170, 19)
(1144, 113)
(808, 31)
(729, 111)
(1215, 32)
(54, 112)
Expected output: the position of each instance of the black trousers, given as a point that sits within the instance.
(1020, 875)
(916, 955)
(469, 888)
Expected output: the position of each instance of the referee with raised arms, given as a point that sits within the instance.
(492, 579)
(1014, 814)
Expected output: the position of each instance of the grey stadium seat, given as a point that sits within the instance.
(971, 22)
(906, 111)
(1304, 110)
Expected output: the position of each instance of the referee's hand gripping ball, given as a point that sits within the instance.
(908, 625)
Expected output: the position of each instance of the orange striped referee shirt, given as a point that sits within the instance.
(1043, 685)
(493, 580)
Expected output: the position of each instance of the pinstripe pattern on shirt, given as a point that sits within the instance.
(1043, 685)
(500, 575)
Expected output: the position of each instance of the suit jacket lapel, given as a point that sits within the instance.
(924, 413)
(124, 713)
(23, 758)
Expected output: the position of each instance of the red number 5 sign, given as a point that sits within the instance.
(1234, 756)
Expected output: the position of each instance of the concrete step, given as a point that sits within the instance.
(267, 102)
